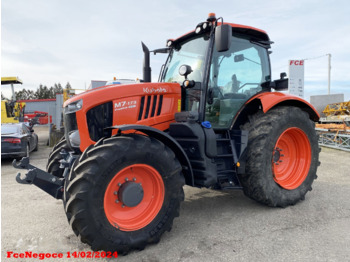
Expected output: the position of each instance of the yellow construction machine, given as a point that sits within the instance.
(11, 111)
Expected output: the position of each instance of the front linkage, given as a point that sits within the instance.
(42, 179)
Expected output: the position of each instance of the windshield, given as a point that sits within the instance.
(191, 52)
(5, 130)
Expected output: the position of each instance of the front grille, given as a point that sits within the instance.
(150, 106)
(98, 118)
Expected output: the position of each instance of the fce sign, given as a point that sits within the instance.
(296, 77)
(296, 62)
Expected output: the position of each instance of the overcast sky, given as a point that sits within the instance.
(76, 41)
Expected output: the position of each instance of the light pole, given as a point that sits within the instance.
(329, 73)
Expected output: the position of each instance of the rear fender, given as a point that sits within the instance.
(267, 100)
(168, 141)
(272, 99)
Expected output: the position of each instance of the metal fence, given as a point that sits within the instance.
(335, 140)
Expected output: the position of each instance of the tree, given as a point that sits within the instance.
(43, 92)
(25, 94)
(68, 86)
(57, 89)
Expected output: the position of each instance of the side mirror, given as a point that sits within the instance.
(223, 34)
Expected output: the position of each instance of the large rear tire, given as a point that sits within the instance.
(123, 193)
(53, 163)
(282, 156)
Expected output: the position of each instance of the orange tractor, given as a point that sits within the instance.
(211, 121)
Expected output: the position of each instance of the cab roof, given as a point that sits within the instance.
(255, 33)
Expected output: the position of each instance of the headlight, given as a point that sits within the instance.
(198, 29)
(169, 43)
(203, 27)
(74, 138)
(73, 107)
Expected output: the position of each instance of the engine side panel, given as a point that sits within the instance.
(149, 104)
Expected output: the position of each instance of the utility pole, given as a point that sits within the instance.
(329, 73)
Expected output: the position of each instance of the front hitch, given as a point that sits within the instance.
(44, 180)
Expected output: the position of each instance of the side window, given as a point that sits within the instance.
(239, 72)
(236, 75)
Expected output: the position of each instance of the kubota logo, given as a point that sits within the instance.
(154, 90)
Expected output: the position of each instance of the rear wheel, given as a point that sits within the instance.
(124, 193)
(53, 163)
(282, 156)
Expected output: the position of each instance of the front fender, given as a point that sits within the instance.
(166, 140)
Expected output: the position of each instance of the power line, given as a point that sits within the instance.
(315, 57)
(310, 58)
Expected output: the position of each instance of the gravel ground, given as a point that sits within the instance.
(213, 226)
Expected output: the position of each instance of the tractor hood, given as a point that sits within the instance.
(148, 104)
(94, 97)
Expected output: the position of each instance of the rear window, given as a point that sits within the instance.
(5, 130)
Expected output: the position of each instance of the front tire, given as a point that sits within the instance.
(53, 163)
(282, 157)
(124, 193)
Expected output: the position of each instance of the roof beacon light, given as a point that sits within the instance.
(211, 17)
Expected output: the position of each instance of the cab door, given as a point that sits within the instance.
(235, 75)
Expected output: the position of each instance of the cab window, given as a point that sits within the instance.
(235, 76)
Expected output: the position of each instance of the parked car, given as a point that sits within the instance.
(17, 140)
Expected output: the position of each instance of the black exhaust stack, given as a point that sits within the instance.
(146, 67)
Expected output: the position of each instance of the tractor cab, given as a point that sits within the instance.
(220, 66)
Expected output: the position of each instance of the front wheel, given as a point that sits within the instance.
(53, 163)
(124, 193)
(282, 156)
